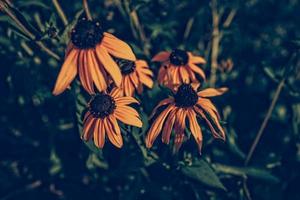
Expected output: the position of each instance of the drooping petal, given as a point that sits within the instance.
(196, 59)
(67, 73)
(157, 126)
(161, 103)
(197, 70)
(85, 74)
(96, 74)
(184, 75)
(146, 80)
(167, 129)
(125, 100)
(109, 64)
(88, 128)
(96, 133)
(114, 137)
(161, 56)
(116, 92)
(195, 128)
(211, 92)
(127, 118)
(216, 133)
(206, 103)
(101, 137)
(117, 47)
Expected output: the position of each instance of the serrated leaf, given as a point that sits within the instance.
(203, 173)
(247, 171)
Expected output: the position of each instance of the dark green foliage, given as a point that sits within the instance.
(43, 157)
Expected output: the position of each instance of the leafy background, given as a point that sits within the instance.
(43, 157)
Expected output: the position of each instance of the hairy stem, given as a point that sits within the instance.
(60, 12)
(266, 120)
(86, 9)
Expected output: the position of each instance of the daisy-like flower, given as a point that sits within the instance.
(135, 75)
(178, 67)
(89, 54)
(186, 106)
(104, 112)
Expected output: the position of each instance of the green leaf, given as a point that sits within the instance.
(203, 173)
(247, 171)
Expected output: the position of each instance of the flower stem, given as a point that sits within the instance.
(86, 9)
(60, 12)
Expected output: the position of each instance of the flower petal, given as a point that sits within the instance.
(130, 119)
(161, 56)
(197, 70)
(96, 74)
(167, 129)
(109, 64)
(157, 126)
(67, 73)
(125, 100)
(195, 128)
(211, 92)
(113, 134)
(196, 59)
(117, 47)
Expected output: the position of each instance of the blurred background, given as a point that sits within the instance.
(251, 46)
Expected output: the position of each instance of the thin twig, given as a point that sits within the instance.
(215, 42)
(7, 10)
(266, 120)
(246, 190)
(86, 9)
(60, 12)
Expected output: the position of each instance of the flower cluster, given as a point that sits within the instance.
(110, 73)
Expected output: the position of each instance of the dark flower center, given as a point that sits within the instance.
(102, 105)
(179, 57)
(86, 34)
(186, 96)
(127, 66)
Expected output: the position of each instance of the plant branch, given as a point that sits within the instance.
(6, 8)
(86, 9)
(266, 120)
(215, 42)
(60, 12)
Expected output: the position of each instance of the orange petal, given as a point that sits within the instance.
(161, 56)
(116, 92)
(126, 118)
(161, 103)
(167, 130)
(84, 73)
(97, 133)
(206, 103)
(184, 75)
(88, 128)
(141, 63)
(109, 64)
(96, 74)
(114, 137)
(117, 47)
(157, 126)
(195, 128)
(101, 137)
(196, 59)
(197, 70)
(211, 92)
(67, 73)
(125, 100)
(214, 118)
(127, 110)
(146, 80)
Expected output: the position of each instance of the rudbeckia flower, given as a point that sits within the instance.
(187, 105)
(135, 75)
(89, 54)
(104, 112)
(178, 67)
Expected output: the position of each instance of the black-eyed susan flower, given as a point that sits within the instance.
(186, 106)
(135, 75)
(104, 112)
(178, 67)
(89, 54)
